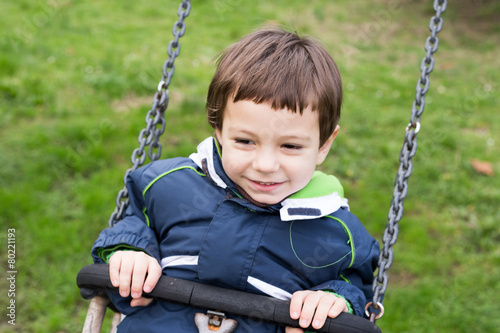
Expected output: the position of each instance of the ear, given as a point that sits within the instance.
(323, 150)
(218, 135)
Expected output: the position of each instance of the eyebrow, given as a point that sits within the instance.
(303, 137)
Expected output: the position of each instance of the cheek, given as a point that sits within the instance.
(303, 170)
(233, 162)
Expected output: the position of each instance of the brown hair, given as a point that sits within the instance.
(280, 68)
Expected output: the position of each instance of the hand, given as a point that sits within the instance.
(314, 306)
(134, 272)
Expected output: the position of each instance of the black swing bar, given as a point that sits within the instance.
(95, 278)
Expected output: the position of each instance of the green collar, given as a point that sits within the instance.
(323, 195)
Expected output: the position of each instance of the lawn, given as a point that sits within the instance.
(76, 81)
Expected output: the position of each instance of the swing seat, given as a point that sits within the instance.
(93, 281)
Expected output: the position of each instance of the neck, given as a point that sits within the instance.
(249, 198)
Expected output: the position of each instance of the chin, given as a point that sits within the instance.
(267, 200)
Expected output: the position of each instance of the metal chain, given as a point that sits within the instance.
(408, 151)
(155, 118)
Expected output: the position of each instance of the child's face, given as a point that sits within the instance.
(271, 154)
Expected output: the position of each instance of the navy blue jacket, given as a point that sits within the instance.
(188, 214)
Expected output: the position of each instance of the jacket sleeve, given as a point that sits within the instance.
(132, 232)
(356, 283)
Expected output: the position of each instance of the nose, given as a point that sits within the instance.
(266, 161)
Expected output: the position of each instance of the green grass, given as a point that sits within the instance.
(77, 77)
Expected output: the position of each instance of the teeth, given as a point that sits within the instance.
(266, 183)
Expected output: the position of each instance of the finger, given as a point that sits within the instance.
(339, 306)
(310, 304)
(125, 277)
(293, 330)
(296, 303)
(322, 310)
(138, 276)
(141, 301)
(154, 274)
(114, 269)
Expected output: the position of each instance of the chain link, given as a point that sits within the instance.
(408, 151)
(149, 137)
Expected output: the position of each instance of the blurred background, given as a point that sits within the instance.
(78, 77)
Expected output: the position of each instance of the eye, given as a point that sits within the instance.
(243, 141)
(291, 146)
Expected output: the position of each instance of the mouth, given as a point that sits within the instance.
(265, 186)
(263, 183)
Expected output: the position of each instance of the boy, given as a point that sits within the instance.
(248, 211)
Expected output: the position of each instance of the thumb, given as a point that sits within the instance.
(141, 301)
